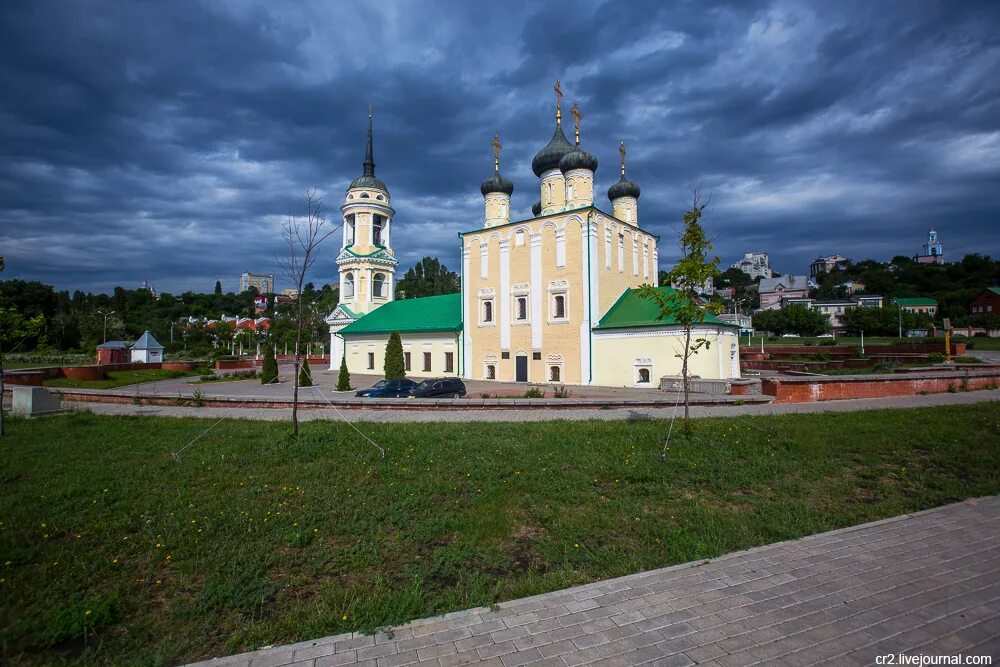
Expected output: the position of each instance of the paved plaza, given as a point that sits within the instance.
(922, 584)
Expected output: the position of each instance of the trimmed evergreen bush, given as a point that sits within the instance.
(305, 375)
(269, 371)
(395, 367)
(344, 379)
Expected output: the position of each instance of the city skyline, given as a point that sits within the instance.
(168, 143)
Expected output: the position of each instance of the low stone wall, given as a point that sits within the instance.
(957, 348)
(832, 388)
(35, 377)
(184, 366)
(230, 364)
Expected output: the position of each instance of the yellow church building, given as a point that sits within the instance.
(549, 299)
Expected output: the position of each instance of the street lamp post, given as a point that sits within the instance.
(105, 314)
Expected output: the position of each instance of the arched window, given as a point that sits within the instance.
(487, 311)
(380, 197)
(549, 198)
(643, 375)
(569, 191)
(522, 308)
(554, 374)
(378, 285)
(378, 224)
(503, 210)
(491, 372)
(365, 195)
(560, 307)
(348, 285)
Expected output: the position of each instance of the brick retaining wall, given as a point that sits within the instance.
(810, 389)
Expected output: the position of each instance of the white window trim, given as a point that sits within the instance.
(558, 288)
(515, 320)
(642, 363)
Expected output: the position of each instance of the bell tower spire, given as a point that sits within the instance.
(369, 150)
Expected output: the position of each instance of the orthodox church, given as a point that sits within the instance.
(550, 298)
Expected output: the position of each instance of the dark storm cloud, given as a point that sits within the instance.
(168, 141)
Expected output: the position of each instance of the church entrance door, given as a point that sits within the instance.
(521, 368)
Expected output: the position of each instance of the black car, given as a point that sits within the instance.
(396, 388)
(439, 388)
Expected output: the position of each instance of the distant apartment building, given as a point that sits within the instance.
(827, 264)
(773, 290)
(932, 250)
(263, 282)
(754, 264)
(917, 305)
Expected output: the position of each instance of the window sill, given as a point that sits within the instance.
(562, 321)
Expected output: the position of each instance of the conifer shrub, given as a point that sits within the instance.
(395, 366)
(344, 379)
(269, 371)
(305, 374)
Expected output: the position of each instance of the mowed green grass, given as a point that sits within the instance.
(114, 379)
(112, 552)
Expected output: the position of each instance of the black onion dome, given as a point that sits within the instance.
(536, 208)
(549, 157)
(623, 188)
(497, 183)
(578, 159)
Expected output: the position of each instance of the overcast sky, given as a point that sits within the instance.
(167, 141)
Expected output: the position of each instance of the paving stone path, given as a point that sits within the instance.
(921, 584)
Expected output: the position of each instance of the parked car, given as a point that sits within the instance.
(825, 336)
(396, 388)
(790, 336)
(439, 388)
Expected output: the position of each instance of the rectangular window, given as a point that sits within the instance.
(406, 361)
(536, 356)
(449, 362)
(505, 355)
(487, 312)
(427, 361)
(371, 361)
(522, 308)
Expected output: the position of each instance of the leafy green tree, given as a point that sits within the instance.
(394, 366)
(305, 374)
(15, 329)
(344, 379)
(693, 269)
(269, 371)
(795, 318)
(428, 277)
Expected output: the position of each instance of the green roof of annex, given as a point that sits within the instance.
(429, 313)
(631, 310)
(915, 301)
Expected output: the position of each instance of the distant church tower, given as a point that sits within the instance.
(366, 262)
(933, 250)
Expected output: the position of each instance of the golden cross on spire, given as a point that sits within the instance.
(559, 96)
(496, 151)
(577, 115)
(621, 151)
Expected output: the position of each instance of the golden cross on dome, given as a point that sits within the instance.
(496, 151)
(559, 96)
(621, 151)
(577, 115)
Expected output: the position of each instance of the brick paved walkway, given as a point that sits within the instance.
(923, 584)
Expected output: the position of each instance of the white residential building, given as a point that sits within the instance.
(754, 264)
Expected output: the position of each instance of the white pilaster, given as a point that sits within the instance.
(504, 295)
(536, 292)
(467, 324)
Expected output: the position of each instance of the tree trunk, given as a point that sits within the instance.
(687, 382)
(298, 361)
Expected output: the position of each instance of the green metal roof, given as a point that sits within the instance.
(995, 290)
(631, 310)
(915, 301)
(429, 313)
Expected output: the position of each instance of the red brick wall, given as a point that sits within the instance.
(808, 390)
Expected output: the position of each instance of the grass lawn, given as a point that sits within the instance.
(114, 553)
(115, 379)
